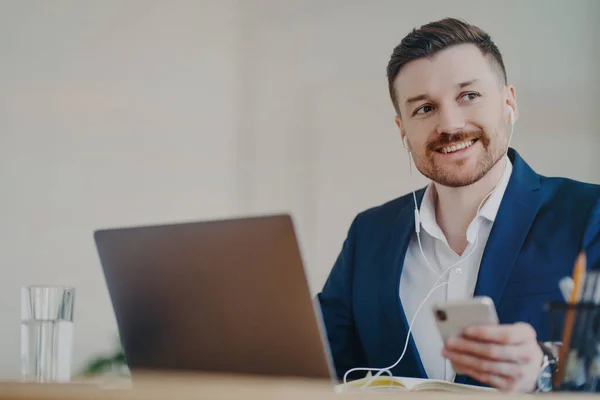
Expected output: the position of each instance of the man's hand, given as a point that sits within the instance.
(506, 357)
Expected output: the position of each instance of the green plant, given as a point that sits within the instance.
(112, 363)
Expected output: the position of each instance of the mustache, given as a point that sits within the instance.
(450, 139)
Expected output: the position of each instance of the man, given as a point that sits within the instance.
(488, 226)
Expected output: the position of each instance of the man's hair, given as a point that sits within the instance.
(434, 37)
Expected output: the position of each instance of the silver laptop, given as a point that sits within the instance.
(225, 296)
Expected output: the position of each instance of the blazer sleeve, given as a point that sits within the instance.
(591, 238)
(335, 301)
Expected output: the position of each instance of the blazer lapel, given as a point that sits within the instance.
(519, 207)
(395, 318)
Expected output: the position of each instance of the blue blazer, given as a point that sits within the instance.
(541, 226)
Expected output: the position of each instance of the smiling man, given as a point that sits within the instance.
(486, 225)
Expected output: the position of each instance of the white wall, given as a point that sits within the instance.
(128, 112)
(111, 113)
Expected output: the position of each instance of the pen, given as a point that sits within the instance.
(574, 366)
(592, 336)
(578, 278)
(582, 332)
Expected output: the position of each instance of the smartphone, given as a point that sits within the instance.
(453, 317)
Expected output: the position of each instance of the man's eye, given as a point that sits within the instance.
(470, 96)
(424, 110)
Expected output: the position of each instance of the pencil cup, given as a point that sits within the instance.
(578, 327)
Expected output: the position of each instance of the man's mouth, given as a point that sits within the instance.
(456, 146)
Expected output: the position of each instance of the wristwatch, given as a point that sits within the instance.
(549, 366)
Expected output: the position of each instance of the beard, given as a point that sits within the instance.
(459, 173)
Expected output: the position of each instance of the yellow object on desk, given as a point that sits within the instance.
(412, 385)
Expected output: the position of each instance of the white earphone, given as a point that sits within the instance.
(511, 113)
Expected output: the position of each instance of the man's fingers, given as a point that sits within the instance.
(501, 334)
(465, 361)
(489, 350)
(506, 357)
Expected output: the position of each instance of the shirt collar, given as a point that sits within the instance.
(488, 211)
(427, 214)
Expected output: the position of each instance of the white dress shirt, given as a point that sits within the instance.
(417, 278)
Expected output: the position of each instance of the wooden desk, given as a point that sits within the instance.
(181, 387)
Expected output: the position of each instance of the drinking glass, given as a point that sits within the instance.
(46, 333)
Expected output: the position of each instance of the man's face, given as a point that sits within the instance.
(453, 111)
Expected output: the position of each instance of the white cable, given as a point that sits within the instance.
(418, 221)
(435, 285)
(423, 253)
(387, 370)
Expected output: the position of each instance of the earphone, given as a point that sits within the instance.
(436, 285)
(511, 114)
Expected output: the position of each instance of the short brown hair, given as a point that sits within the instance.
(434, 37)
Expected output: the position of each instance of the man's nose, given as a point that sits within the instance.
(450, 120)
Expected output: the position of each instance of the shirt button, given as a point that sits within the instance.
(458, 271)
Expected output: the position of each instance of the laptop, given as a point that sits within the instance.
(223, 296)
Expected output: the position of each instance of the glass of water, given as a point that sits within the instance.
(46, 333)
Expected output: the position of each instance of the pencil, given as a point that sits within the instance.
(574, 365)
(591, 349)
(578, 279)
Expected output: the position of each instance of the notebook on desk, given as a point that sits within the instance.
(224, 296)
(411, 385)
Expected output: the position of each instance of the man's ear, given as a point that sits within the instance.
(512, 101)
(398, 121)
(402, 134)
(400, 126)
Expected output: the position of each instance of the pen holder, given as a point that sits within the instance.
(577, 326)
